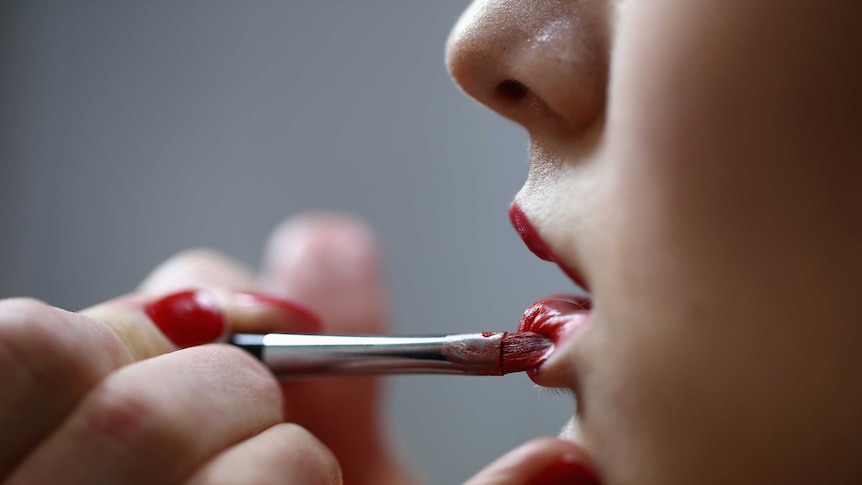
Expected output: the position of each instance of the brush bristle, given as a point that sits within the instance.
(523, 351)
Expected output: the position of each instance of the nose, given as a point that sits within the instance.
(542, 64)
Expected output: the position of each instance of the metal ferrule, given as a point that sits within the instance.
(295, 356)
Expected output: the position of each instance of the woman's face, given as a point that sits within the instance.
(696, 166)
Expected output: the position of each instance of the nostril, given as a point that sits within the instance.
(511, 90)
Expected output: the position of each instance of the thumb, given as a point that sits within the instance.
(331, 264)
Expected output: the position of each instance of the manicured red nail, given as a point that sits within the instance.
(188, 318)
(566, 471)
(301, 319)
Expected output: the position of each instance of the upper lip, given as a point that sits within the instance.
(542, 317)
(539, 247)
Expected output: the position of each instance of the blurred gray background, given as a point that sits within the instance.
(132, 130)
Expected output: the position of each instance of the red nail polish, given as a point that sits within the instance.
(301, 318)
(188, 318)
(567, 471)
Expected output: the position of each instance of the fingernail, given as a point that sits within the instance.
(301, 319)
(566, 471)
(188, 318)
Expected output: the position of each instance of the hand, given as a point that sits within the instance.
(102, 396)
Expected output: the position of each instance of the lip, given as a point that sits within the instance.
(559, 318)
(539, 247)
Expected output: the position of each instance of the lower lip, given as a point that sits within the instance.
(557, 317)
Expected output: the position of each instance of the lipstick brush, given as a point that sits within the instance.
(482, 354)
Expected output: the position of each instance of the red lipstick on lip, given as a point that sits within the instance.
(557, 318)
(538, 246)
(528, 233)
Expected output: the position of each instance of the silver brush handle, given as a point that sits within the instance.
(297, 356)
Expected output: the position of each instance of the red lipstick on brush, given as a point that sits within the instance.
(483, 354)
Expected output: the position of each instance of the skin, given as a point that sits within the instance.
(696, 162)
(699, 164)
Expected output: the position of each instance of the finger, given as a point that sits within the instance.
(538, 462)
(49, 357)
(284, 454)
(52, 357)
(198, 268)
(331, 263)
(230, 282)
(157, 420)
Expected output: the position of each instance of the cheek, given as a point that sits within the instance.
(706, 225)
(707, 198)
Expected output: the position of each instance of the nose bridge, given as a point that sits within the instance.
(535, 62)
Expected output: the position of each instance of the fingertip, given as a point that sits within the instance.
(331, 263)
(188, 318)
(540, 461)
(150, 325)
(198, 267)
(318, 237)
(197, 316)
(284, 453)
